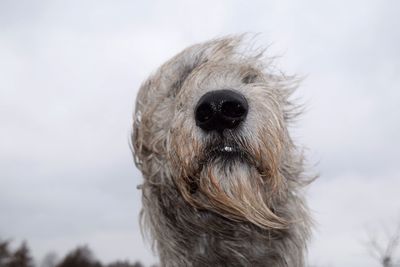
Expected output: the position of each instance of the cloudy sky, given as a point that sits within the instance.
(69, 73)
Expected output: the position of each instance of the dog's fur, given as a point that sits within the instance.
(202, 209)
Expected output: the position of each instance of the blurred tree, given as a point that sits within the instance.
(49, 260)
(386, 250)
(125, 264)
(5, 255)
(80, 257)
(21, 257)
(138, 264)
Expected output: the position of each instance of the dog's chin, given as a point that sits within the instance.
(229, 185)
(226, 165)
(226, 180)
(225, 162)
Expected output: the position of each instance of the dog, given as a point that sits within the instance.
(223, 180)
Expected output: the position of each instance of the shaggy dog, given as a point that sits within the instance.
(222, 178)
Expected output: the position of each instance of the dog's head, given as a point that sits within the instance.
(212, 122)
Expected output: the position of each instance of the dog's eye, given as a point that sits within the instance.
(249, 78)
(177, 85)
(193, 185)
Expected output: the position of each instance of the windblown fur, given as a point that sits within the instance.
(204, 210)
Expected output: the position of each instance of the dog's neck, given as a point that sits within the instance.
(186, 236)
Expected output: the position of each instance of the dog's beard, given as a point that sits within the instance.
(237, 177)
(230, 186)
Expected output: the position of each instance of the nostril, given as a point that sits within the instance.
(204, 112)
(221, 109)
(233, 109)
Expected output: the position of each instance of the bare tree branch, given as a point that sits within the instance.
(385, 250)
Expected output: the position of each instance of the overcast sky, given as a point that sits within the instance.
(69, 73)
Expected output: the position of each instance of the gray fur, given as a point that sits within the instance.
(205, 211)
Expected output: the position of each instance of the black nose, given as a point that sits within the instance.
(221, 109)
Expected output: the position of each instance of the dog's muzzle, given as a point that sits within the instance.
(221, 109)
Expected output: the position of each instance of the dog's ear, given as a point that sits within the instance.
(136, 141)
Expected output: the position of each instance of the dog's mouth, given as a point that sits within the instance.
(225, 152)
(225, 149)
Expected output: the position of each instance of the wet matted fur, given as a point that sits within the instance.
(204, 209)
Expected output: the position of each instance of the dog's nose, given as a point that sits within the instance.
(220, 109)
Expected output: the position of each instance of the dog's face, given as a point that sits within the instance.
(213, 123)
